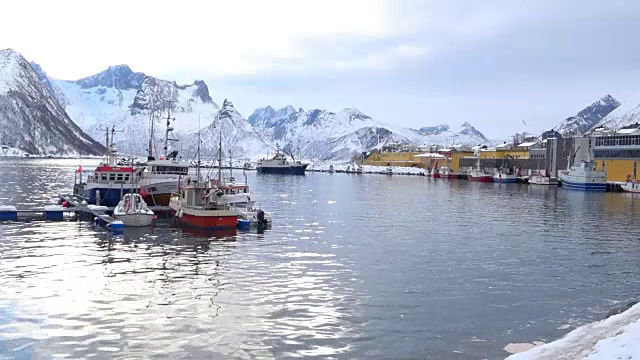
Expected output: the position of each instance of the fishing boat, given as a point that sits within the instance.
(132, 210)
(584, 176)
(227, 190)
(110, 181)
(632, 186)
(331, 169)
(505, 176)
(196, 205)
(446, 173)
(161, 176)
(280, 165)
(479, 174)
(542, 178)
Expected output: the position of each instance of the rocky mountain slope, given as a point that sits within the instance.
(31, 117)
(239, 139)
(586, 118)
(627, 113)
(325, 135)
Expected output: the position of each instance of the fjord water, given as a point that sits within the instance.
(356, 266)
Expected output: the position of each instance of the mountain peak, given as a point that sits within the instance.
(586, 118)
(227, 104)
(120, 77)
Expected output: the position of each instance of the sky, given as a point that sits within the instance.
(495, 64)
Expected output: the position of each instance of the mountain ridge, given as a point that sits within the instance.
(589, 116)
(33, 120)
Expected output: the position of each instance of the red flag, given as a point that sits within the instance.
(79, 169)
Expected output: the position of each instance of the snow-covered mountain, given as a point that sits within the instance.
(31, 118)
(239, 139)
(126, 99)
(626, 114)
(586, 118)
(324, 135)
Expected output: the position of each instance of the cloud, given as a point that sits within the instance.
(414, 62)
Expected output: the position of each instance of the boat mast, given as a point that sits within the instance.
(150, 154)
(220, 157)
(169, 128)
(198, 163)
(230, 165)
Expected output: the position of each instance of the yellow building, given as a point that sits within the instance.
(618, 154)
(393, 159)
(619, 170)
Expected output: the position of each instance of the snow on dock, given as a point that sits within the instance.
(617, 337)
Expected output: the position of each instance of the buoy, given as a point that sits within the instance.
(155, 217)
(65, 204)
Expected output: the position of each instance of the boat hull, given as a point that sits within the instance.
(206, 222)
(109, 197)
(286, 170)
(202, 219)
(505, 179)
(135, 220)
(582, 186)
(483, 179)
(449, 176)
(158, 193)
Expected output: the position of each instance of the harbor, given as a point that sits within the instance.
(331, 228)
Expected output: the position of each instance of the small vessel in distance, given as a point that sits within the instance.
(280, 165)
(478, 174)
(542, 178)
(132, 210)
(505, 176)
(446, 173)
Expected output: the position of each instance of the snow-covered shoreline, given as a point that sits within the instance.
(617, 337)
(367, 169)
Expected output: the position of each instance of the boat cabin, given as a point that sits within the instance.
(168, 167)
(112, 174)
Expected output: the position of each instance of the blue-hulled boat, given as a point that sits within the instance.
(584, 177)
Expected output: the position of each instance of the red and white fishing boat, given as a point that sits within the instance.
(192, 207)
(197, 205)
(447, 173)
(479, 174)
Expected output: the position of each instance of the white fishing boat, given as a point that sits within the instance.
(161, 176)
(505, 176)
(133, 211)
(631, 186)
(542, 178)
(584, 176)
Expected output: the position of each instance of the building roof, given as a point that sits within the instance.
(628, 131)
(505, 145)
(528, 144)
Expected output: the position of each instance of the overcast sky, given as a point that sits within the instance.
(409, 62)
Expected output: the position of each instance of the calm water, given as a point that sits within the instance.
(355, 267)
